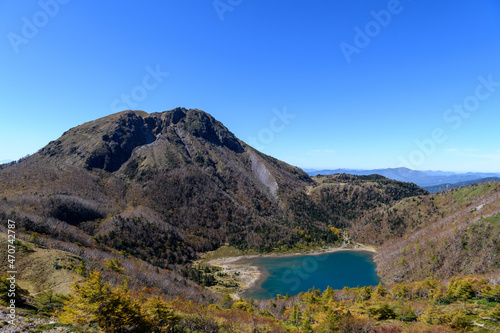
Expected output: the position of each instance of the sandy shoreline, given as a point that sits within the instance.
(248, 276)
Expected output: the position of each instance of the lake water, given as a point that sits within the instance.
(296, 274)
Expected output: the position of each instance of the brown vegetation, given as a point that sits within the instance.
(138, 196)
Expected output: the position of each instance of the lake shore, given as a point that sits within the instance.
(248, 276)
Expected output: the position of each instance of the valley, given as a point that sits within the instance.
(171, 207)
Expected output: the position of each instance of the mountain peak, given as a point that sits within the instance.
(107, 143)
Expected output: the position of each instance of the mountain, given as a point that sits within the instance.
(421, 178)
(181, 170)
(400, 174)
(342, 199)
(155, 191)
(437, 188)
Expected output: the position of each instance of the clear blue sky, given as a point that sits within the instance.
(358, 100)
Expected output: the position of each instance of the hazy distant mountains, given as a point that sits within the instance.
(442, 187)
(432, 181)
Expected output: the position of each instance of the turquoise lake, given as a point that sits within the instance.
(295, 274)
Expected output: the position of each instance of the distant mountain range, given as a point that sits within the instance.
(426, 179)
(442, 187)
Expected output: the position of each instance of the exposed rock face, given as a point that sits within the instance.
(107, 143)
(263, 175)
(131, 131)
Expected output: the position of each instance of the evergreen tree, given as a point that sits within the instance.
(328, 294)
(160, 315)
(380, 290)
(296, 316)
(226, 302)
(306, 321)
(94, 302)
(495, 312)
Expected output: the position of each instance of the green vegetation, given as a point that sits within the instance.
(469, 193)
(8, 287)
(461, 304)
(204, 276)
(224, 251)
(493, 220)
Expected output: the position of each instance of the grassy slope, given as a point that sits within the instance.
(40, 269)
(450, 233)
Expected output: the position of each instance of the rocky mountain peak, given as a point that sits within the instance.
(107, 143)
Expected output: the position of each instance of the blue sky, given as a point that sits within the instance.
(318, 84)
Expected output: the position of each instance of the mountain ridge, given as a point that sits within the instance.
(124, 131)
(442, 187)
(421, 178)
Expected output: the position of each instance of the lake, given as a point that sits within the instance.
(295, 274)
